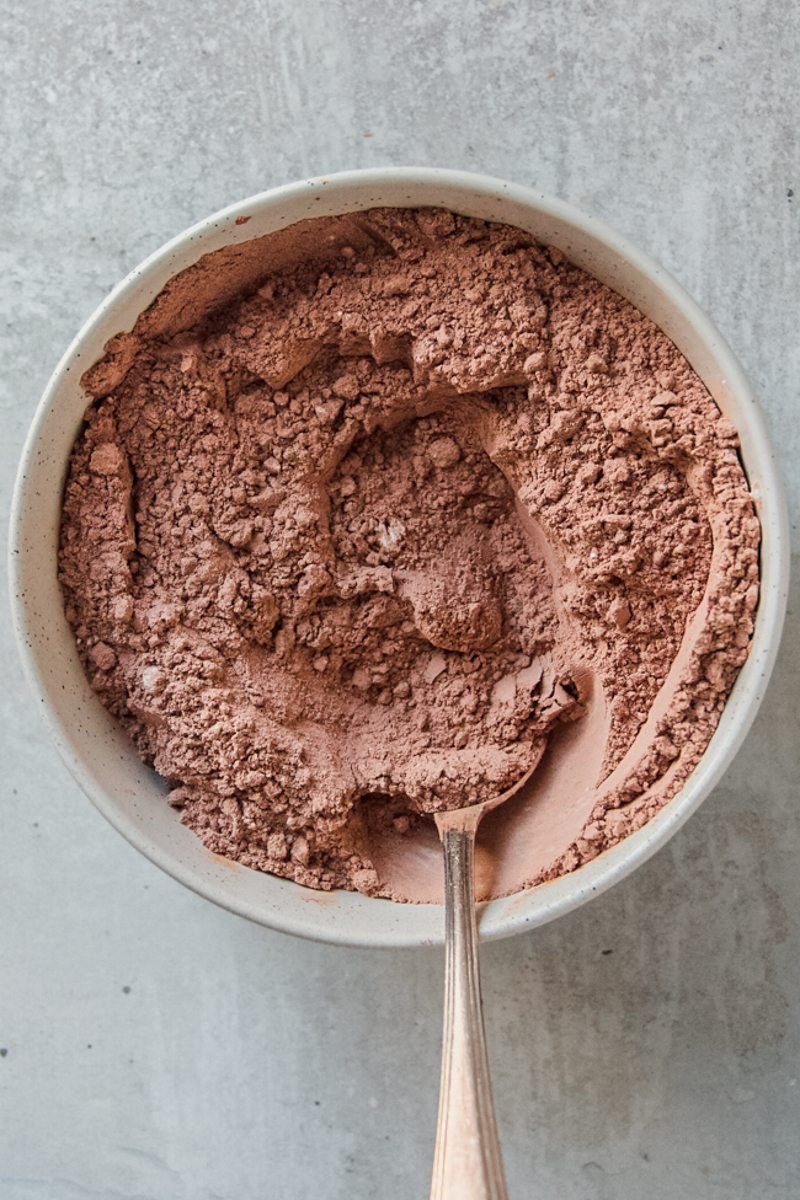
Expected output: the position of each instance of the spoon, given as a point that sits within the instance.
(468, 1163)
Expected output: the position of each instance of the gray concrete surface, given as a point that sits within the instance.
(154, 1048)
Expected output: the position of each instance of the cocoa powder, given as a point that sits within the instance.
(363, 511)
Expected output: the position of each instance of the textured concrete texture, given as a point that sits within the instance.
(155, 1048)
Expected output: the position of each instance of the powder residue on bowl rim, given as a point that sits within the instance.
(369, 515)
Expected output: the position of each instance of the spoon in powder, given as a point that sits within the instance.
(468, 1163)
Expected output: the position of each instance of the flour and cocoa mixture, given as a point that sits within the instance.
(368, 515)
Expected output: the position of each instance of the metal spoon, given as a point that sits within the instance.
(468, 1163)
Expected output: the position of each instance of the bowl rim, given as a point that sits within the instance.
(609, 867)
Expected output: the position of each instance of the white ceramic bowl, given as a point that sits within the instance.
(100, 756)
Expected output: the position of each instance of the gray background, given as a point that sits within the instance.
(154, 1047)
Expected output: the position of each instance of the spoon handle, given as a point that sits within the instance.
(468, 1164)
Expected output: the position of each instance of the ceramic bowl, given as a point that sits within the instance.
(99, 754)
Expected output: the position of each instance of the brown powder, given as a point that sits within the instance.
(362, 510)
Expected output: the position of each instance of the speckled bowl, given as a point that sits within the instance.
(98, 753)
